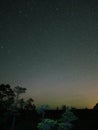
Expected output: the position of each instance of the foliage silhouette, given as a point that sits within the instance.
(68, 116)
(6, 96)
(18, 90)
(64, 126)
(21, 103)
(42, 110)
(47, 124)
(29, 104)
(65, 123)
(96, 106)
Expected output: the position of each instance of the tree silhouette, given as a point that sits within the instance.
(68, 116)
(64, 107)
(6, 96)
(18, 90)
(65, 123)
(42, 110)
(29, 105)
(96, 106)
(21, 103)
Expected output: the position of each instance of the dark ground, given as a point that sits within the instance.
(28, 120)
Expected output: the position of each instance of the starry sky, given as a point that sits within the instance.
(51, 48)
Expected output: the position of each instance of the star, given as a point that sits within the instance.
(20, 12)
(57, 9)
(2, 47)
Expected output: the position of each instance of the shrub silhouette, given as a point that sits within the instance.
(47, 124)
(64, 123)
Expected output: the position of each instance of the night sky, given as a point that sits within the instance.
(51, 48)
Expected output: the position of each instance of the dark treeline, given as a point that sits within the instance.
(17, 114)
